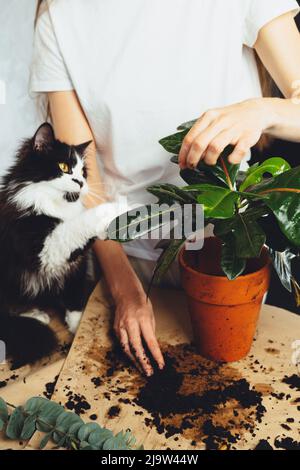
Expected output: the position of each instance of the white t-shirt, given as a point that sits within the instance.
(142, 67)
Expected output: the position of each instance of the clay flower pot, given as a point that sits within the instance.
(224, 313)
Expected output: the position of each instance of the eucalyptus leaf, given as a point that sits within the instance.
(29, 427)
(86, 429)
(3, 411)
(2, 424)
(34, 404)
(98, 437)
(45, 441)
(15, 423)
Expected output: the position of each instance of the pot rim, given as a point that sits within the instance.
(186, 266)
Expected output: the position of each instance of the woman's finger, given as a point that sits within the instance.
(124, 341)
(240, 151)
(218, 144)
(203, 122)
(152, 343)
(134, 335)
(202, 141)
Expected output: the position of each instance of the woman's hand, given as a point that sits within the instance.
(134, 322)
(241, 125)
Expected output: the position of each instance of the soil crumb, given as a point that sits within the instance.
(287, 443)
(293, 381)
(263, 445)
(113, 411)
(77, 403)
(49, 388)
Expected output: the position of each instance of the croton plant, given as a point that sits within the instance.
(249, 209)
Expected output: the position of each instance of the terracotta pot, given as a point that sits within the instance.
(224, 313)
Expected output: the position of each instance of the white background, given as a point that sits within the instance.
(18, 116)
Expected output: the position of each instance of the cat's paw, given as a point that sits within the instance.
(72, 319)
(38, 315)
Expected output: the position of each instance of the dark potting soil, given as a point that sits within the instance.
(192, 397)
(113, 411)
(77, 403)
(287, 443)
(263, 445)
(49, 388)
(293, 381)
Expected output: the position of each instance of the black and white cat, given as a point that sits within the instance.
(44, 234)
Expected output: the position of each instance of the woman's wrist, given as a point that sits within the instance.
(123, 283)
(268, 111)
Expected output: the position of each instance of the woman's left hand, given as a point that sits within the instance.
(241, 125)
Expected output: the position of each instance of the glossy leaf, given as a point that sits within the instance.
(171, 194)
(130, 226)
(282, 196)
(249, 236)
(165, 260)
(172, 143)
(218, 202)
(187, 125)
(231, 264)
(282, 262)
(274, 166)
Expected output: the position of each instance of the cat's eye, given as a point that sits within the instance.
(64, 167)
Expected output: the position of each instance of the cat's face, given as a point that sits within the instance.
(58, 165)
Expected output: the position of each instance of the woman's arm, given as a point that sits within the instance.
(134, 318)
(242, 124)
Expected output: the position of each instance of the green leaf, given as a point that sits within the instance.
(65, 420)
(249, 236)
(171, 194)
(86, 429)
(274, 166)
(282, 196)
(282, 263)
(218, 202)
(98, 437)
(130, 226)
(3, 411)
(114, 443)
(15, 423)
(47, 415)
(232, 265)
(2, 424)
(164, 261)
(187, 125)
(34, 404)
(29, 427)
(45, 441)
(172, 143)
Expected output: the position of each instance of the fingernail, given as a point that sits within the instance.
(161, 365)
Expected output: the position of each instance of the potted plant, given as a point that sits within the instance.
(256, 218)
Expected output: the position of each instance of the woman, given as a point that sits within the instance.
(125, 73)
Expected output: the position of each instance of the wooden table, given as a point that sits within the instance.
(88, 379)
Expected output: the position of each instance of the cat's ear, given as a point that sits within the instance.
(81, 148)
(44, 137)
